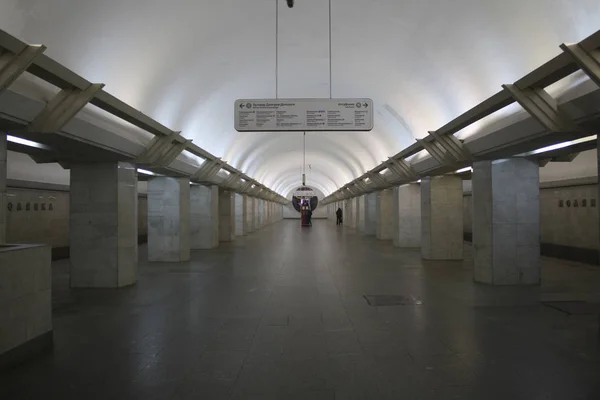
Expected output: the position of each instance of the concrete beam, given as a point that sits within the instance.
(62, 108)
(543, 107)
(14, 65)
(207, 170)
(452, 146)
(588, 61)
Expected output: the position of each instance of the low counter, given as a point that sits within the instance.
(25, 302)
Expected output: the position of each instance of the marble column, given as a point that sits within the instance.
(506, 222)
(442, 218)
(356, 216)
(261, 213)
(272, 212)
(103, 236)
(256, 222)
(384, 209)
(204, 217)
(248, 214)
(361, 213)
(3, 201)
(407, 215)
(353, 212)
(371, 214)
(168, 219)
(226, 215)
(240, 214)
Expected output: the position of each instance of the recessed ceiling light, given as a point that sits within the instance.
(145, 172)
(26, 142)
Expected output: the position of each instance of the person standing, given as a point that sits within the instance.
(338, 214)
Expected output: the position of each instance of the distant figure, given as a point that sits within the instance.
(309, 215)
(338, 214)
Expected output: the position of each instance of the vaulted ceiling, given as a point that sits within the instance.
(184, 62)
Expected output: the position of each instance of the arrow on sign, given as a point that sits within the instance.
(366, 105)
(242, 105)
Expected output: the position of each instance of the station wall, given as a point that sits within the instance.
(569, 216)
(42, 216)
(569, 226)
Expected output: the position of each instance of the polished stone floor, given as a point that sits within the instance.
(280, 314)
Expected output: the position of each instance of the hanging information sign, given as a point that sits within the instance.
(304, 193)
(276, 115)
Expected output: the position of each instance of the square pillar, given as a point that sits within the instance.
(351, 213)
(261, 213)
(266, 215)
(442, 218)
(103, 236)
(361, 213)
(248, 214)
(347, 209)
(598, 186)
(506, 222)
(407, 215)
(3, 202)
(371, 214)
(226, 215)
(204, 217)
(168, 219)
(240, 211)
(267, 221)
(385, 212)
(356, 216)
(256, 222)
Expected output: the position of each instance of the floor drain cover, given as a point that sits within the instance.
(574, 307)
(392, 300)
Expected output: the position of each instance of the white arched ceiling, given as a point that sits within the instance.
(184, 62)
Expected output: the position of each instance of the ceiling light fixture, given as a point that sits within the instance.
(26, 142)
(562, 145)
(146, 172)
(466, 169)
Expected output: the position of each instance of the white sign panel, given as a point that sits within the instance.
(277, 115)
(304, 193)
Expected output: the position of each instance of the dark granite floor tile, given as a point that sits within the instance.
(280, 314)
